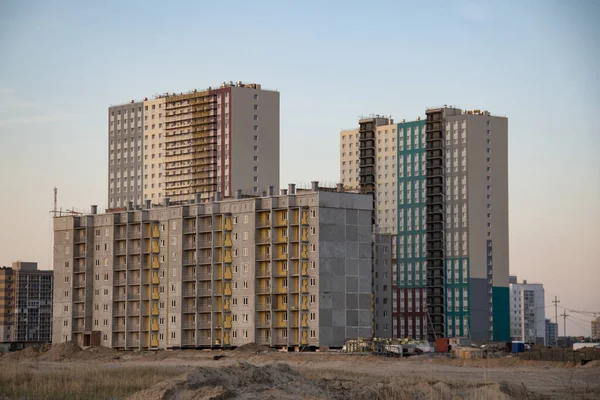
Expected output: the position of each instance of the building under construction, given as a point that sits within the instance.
(283, 270)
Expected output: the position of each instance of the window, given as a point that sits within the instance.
(313, 281)
(313, 247)
(313, 264)
(313, 298)
(313, 230)
(313, 213)
(312, 316)
(313, 334)
(245, 301)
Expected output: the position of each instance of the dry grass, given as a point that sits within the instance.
(26, 382)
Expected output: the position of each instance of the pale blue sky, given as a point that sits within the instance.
(62, 63)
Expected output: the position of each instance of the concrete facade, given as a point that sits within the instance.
(25, 303)
(281, 270)
(180, 144)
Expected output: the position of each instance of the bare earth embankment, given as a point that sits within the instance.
(68, 372)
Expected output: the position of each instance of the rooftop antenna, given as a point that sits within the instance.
(55, 200)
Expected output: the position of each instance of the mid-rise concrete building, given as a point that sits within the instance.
(177, 145)
(25, 303)
(284, 270)
(527, 312)
(449, 213)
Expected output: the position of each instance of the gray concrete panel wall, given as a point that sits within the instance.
(125, 154)
(479, 309)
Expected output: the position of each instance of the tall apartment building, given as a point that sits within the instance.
(450, 214)
(178, 145)
(282, 270)
(25, 303)
(527, 312)
(382, 167)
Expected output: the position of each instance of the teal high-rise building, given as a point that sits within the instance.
(452, 235)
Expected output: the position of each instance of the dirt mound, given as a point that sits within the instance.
(62, 351)
(26, 353)
(252, 348)
(277, 381)
(98, 353)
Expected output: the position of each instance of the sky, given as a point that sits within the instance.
(62, 63)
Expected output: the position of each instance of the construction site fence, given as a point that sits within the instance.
(563, 355)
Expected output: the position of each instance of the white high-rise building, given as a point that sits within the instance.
(527, 312)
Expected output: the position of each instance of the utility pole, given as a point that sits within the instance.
(556, 301)
(565, 315)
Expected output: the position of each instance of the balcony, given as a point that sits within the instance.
(133, 280)
(188, 325)
(119, 312)
(189, 309)
(189, 246)
(119, 297)
(120, 267)
(79, 284)
(189, 293)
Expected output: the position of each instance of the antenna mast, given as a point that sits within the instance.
(55, 200)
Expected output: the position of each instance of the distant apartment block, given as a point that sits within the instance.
(440, 187)
(177, 145)
(551, 332)
(527, 312)
(596, 328)
(25, 303)
(286, 270)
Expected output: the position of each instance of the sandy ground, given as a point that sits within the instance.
(332, 375)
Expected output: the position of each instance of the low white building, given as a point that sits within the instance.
(527, 312)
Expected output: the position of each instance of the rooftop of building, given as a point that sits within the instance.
(292, 189)
(224, 84)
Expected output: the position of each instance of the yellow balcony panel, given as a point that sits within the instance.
(155, 248)
(228, 242)
(226, 305)
(155, 232)
(304, 268)
(228, 225)
(155, 279)
(155, 295)
(227, 323)
(304, 235)
(304, 303)
(228, 274)
(304, 218)
(304, 320)
(304, 251)
(228, 258)
(304, 338)
(154, 327)
(226, 339)
(227, 289)
(155, 309)
(154, 341)
(304, 285)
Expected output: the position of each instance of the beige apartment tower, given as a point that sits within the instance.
(177, 145)
(285, 270)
